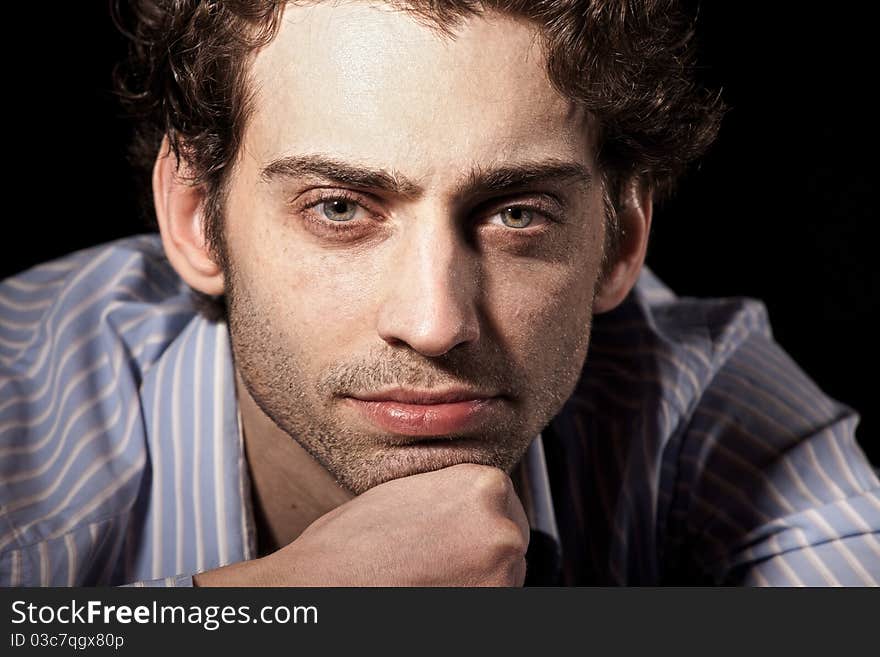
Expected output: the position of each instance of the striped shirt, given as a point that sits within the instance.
(692, 451)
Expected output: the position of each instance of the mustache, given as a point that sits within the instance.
(381, 369)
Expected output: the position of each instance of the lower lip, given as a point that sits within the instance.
(424, 419)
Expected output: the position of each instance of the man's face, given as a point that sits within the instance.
(410, 212)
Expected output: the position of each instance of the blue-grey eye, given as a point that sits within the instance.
(339, 210)
(516, 217)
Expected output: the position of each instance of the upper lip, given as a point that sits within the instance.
(410, 396)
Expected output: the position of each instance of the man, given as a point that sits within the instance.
(406, 224)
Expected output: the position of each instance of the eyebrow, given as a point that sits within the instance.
(479, 180)
(339, 171)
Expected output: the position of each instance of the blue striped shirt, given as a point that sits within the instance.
(693, 450)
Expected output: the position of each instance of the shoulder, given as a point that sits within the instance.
(755, 460)
(705, 438)
(77, 336)
(715, 382)
(660, 347)
(76, 289)
(650, 366)
(74, 308)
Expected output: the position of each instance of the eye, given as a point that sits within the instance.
(340, 209)
(517, 216)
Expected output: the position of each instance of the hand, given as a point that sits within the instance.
(459, 526)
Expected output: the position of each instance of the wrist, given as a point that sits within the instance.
(244, 573)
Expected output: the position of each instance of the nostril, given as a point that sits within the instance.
(394, 342)
(430, 338)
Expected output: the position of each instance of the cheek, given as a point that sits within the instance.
(542, 309)
(335, 297)
(548, 315)
(310, 298)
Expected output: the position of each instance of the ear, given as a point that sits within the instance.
(634, 217)
(180, 213)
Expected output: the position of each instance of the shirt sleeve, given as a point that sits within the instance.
(52, 563)
(774, 489)
(175, 581)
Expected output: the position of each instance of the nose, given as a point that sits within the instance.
(431, 292)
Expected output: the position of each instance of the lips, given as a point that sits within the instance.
(425, 413)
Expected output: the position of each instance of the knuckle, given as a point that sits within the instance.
(507, 541)
(493, 483)
(511, 573)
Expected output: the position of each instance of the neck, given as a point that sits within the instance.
(290, 488)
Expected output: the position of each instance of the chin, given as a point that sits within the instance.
(389, 463)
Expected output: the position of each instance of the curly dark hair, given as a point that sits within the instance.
(628, 62)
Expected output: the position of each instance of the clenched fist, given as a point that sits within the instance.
(459, 526)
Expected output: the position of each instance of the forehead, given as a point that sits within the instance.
(372, 84)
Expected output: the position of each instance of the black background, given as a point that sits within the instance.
(782, 209)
